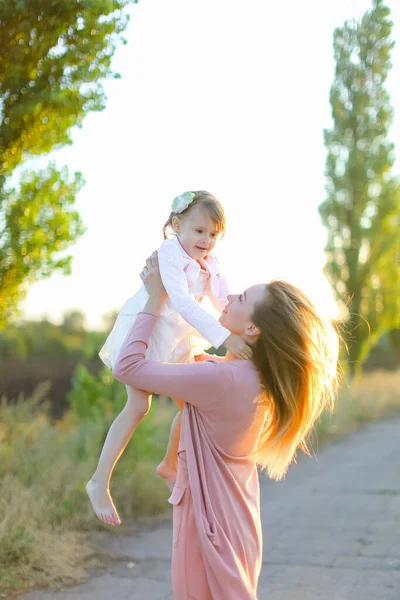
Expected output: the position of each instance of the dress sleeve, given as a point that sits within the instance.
(176, 286)
(201, 384)
(221, 300)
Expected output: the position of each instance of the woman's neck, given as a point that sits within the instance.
(230, 356)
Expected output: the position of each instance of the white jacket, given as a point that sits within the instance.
(179, 273)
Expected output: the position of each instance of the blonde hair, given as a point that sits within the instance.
(211, 205)
(296, 356)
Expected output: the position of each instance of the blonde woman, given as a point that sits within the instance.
(237, 415)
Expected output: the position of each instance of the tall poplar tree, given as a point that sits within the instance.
(362, 207)
(54, 53)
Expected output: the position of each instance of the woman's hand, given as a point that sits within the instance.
(237, 345)
(152, 281)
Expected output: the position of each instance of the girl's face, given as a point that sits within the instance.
(237, 315)
(197, 232)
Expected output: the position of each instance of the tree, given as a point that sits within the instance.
(74, 322)
(53, 56)
(108, 320)
(362, 207)
(394, 337)
(44, 340)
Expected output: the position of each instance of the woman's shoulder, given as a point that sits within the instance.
(239, 387)
(242, 372)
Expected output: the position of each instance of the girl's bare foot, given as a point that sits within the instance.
(103, 506)
(168, 473)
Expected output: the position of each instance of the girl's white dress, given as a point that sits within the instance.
(184, 328)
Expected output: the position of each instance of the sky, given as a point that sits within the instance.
(222, 95)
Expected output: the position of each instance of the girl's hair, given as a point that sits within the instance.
(210, 203)
(296, 356)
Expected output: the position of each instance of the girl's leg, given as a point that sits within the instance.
(168, 467)
(119, 434)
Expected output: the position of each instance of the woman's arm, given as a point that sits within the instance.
(176, 286)
(201, 384)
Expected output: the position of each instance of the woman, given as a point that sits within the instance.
(237, 414)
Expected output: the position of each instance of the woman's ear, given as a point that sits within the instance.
(175, 224)
(252, 331)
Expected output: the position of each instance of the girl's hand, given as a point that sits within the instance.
(201, 357)
(237, 345)
(152, 281)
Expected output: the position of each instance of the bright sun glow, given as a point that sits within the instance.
(216, 96)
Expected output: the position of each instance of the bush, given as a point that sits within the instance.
(95, 397)
(21, 379)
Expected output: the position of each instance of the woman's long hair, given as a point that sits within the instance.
(296, 356)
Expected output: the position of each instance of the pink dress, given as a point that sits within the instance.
(217, 545)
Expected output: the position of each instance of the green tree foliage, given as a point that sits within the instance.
(394, 337)
(53, 56)
(98, 397)
(43, 340)
(38, 223)
(108, 320)
(362, 208)
(74, 322)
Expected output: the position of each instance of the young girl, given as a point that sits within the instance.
(189, 272)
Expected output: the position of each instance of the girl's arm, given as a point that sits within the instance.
(202, 384)
(174, 279)
(218, 303)
(219, 288)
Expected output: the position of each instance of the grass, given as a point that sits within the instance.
(369, 398)
(46, 520)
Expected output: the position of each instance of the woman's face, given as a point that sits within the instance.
(237, 315)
